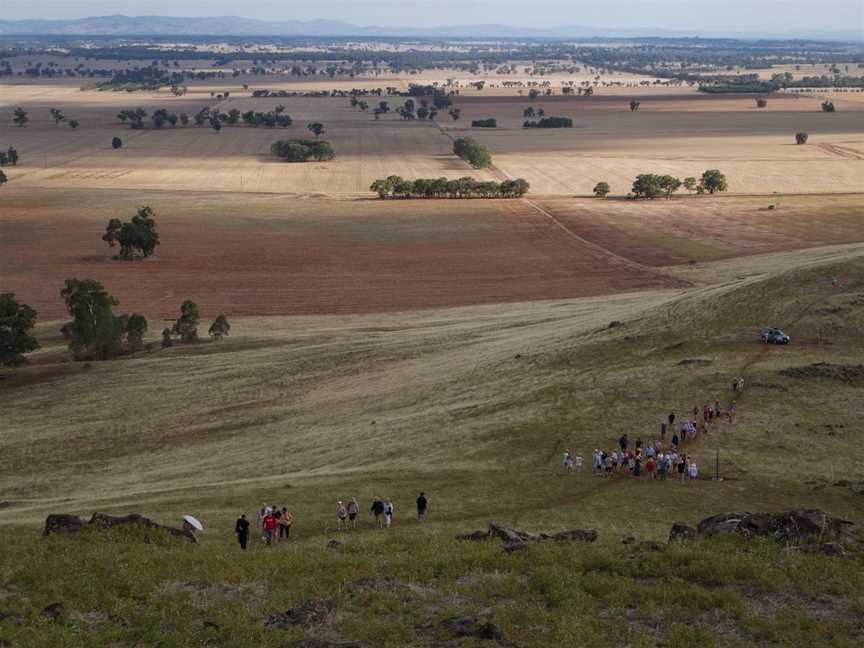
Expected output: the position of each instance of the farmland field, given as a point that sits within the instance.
(676, 134)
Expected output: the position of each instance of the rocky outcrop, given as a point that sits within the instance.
(796, 527)
(72, 524)
(467, 626)
(305, 613)
(62, 523)
(514, 539)
(681, 532)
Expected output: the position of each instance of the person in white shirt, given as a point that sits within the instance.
(694, 471)
(578, 463)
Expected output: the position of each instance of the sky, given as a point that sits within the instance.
(703, 15)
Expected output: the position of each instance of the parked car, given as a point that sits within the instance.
(775, 336)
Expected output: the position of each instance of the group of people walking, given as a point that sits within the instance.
(275, 523)
(650, 458)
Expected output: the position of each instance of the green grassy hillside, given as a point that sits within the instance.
(473, 406)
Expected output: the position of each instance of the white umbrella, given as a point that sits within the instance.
(193, 522)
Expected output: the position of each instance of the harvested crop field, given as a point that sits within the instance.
(682, 135)
(663, 233)
(260, 254)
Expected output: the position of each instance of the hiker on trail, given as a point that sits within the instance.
(422, 507)
(671, 419)
(341, 516)
(682, 464)
(388, 511)
(623, 442)
(377, 510)
(269, 528)
(568, 461)
(694, 471)
(578, 462)
(277, 514)
(285, 522)
(353, 510)
(242, 531)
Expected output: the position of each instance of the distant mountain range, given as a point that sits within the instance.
(234, 26)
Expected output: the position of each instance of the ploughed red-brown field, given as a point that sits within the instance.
(264, 254)
(273, 255)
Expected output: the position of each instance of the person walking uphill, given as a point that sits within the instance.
(377, 510)
(388, 512)
(242, 531)
(422, 507)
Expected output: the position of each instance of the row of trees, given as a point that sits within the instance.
(397, 187)
(58, 116)
(649, 185)
(300, 150)
(95, 332)
(277, 117)
(484, 123)
(137, 238)
(549, 122)
(472, 152)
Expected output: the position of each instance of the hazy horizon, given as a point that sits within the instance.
(696, 15)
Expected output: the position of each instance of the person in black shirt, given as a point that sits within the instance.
(422, 506)
(242, 531)
(378, 511)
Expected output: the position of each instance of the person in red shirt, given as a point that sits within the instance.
(649, 467)
(269, 527)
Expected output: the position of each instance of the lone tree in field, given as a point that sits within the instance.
(137, 237)
(215, 122)
(455, 113)
(801, 138)
(634, 105)
(3, 178)
(601, 189)
(166, 338)
(316, 128)
(74, 123)
(186, 326)
(19, 117)
(57, 115)
(713, 181)
(827, 106)
(761, 102)
(94, 330)
(116, 143)
(219, 328)
(16, 321)
(690, 184)
(472, 152)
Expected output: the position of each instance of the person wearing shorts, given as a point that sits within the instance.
(341, 516)
(353, 510)
(377, 509)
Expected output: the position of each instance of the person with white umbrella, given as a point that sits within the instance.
(191, 524)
